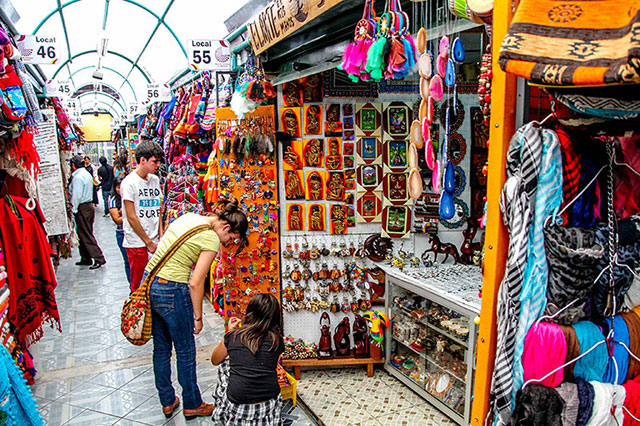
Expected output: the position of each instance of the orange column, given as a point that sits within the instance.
(502, 127)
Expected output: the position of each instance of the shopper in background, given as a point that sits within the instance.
(176, 299)
(81, 190)
(87, 165)
(248, 390)
(115, 210)
(105, 173)
(141, 199)
(120, 167)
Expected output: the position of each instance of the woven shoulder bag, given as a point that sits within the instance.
(135, 320)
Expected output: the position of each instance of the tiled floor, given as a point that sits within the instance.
(346, 396)
(89, 374)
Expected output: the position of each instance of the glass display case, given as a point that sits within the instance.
(432, 335)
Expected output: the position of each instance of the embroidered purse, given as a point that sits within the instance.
(135, 320)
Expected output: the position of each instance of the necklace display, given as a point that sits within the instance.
(242, 166)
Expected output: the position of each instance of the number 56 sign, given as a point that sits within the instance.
(209, 55)
(37, 49)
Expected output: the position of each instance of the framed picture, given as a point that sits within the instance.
(292, 94)
(333, 124)
(338, 226)
(348, 123)
(292, 155)
(312, 88)
(347, 109)
(347, 148)
(294, 185)
(334, 186)
(368, 119)
(349, 135)
(369, 207)
(396, 188)
(338, 211)
(349, 162)
(313, 119)
(295, 217)
(315, 186)
(396, 221)
(396, 154)
(397, 119)
(316, 219)
(290, 121)
(313, 152)
(370, 176)
(333, 162)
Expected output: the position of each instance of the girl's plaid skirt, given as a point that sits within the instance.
(227, 413)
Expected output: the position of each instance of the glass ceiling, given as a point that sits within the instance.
(142, 46)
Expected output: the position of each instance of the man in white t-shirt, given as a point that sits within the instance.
(141, 200)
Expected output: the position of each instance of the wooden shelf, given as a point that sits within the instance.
(315, 362)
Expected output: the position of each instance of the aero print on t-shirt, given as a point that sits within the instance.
(148, 203)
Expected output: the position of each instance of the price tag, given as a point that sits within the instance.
(58, 88)
(207, 54)
(36, 49)
(157, 92)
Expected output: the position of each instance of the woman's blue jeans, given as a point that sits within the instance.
(119, 240)
(172, 322)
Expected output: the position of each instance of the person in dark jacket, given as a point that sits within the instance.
(105, 173)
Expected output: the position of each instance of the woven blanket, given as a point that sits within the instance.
(574, 43)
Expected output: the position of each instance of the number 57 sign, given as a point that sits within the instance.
(212, 55)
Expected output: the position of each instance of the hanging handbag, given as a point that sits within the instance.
(135, 320)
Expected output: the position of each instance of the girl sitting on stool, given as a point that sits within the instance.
(248, 392)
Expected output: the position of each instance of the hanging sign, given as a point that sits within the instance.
(157, 92)
(212, 55)
(58, 88)
(133, 110)
(71, 103)
(36, 49)
(50, 183)
(281, 18)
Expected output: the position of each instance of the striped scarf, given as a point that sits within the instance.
(517, 205)
(534, 287)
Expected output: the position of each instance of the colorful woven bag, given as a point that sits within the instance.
(135, 320)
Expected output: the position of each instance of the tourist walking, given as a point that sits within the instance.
(81, 190)
(105, 173)
(115, 210)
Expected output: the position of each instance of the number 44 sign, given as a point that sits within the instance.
(37, 49)
(212, 55)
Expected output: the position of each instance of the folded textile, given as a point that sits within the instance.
(632, 401)
(633, 324)
(538, 405)
(573, 350)
(588, 42)
(573, 255)
(617, 102)
(593, 365)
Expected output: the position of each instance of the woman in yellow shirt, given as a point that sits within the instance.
(176, 300)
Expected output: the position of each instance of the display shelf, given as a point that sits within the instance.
(427, 357)
(441, 293)
(315, 362)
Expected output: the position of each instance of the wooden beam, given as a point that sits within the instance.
(502, 128)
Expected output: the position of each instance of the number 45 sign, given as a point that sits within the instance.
(212, 55)
(37, 49)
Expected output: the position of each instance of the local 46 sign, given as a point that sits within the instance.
(37, 49)
(212, 55)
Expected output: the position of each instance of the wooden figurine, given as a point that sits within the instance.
(341, 338)
(324, 346)
(360, 337)
(468, 247)
(438, 247)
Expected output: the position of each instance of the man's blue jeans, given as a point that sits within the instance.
(123, 251)
(173, 322)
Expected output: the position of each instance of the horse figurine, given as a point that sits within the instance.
(468, 247)
(438, 247)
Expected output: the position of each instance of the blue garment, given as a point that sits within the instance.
(173, 322)
(533, 297)
(593, 365)
(16, 398)
(81, 188)
(123, 251)
(620, 354)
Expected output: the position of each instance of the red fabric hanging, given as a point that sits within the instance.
(30, 273)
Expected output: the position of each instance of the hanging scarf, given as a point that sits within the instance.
(620, 355)
(573, 350)
(31, 278)
(17, 399)
(607, 398)
(545, 349)
(585, 396)
(570, 168)
(573, 255)
(633, 324)
(517, 206)
(632, 401)
(538, 405)
(534, 286)
(593, 365)
(569, 394)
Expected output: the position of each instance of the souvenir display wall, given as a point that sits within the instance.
(243, 165)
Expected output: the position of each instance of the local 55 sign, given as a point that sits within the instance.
(212, 55)
(37, 49)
